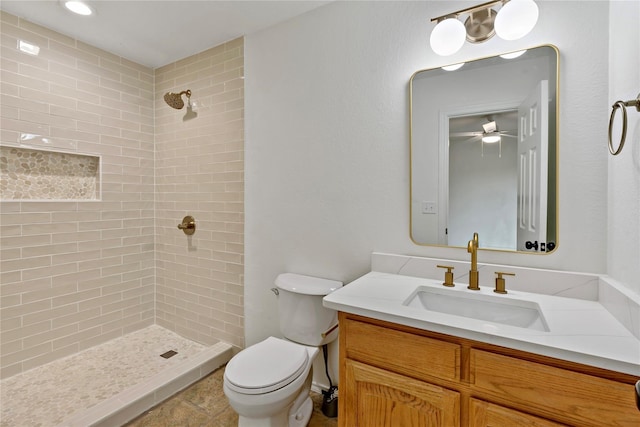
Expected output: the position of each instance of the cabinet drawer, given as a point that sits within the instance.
(556, 393)
(401, 352)
(484, 414)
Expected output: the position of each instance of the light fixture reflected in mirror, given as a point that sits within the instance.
(491, 137)
(453, 67)
(490, 134)
(490, 126)
(513, 55)
(514, 20)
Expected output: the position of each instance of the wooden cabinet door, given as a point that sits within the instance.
(575, 398)
(484, 414)
(375, 398)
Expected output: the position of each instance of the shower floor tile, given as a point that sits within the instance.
(47, 395)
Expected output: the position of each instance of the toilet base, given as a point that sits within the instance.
(302, 416)
(297, 414)
(299, 418)
(279, 420)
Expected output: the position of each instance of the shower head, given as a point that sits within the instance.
(174, 100)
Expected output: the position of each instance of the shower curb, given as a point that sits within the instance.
(132, 402)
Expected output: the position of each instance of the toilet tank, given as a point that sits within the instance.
(303, 319)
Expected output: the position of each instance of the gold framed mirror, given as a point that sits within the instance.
(484, 152)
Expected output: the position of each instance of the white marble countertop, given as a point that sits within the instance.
(580, 331)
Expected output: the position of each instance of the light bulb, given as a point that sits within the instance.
(448, 37)
(516, 19)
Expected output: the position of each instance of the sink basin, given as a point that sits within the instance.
(508, 311)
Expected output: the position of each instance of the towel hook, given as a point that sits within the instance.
(622, 105)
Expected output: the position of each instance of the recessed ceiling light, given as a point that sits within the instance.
(29, 48)
(78, 7)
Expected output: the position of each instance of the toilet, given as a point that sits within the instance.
(268, 383)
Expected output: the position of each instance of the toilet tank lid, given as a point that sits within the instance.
(306, 284)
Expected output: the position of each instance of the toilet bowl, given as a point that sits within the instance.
(268, 383)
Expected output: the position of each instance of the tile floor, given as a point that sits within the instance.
(204, 404)
(47, 395)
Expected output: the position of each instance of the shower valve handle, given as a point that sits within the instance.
(188, 225)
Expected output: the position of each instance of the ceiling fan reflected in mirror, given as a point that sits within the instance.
(489, 134)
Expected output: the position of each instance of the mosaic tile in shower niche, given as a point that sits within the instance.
(27, 174)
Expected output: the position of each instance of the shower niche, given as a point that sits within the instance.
(37, 175)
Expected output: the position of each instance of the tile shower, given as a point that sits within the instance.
(89, 247)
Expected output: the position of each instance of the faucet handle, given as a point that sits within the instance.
(500, 282)
(448, 275)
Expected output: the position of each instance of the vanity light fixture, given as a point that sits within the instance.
(78, 7)
(514, 20)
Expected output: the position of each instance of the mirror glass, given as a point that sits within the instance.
(484, 153)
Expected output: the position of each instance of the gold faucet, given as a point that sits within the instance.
(472, 248)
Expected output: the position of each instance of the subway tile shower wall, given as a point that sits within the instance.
(77, 273)
(200, 172)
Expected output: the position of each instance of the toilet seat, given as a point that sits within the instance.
(266, 366)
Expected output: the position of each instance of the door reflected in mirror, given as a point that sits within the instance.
(484, 153)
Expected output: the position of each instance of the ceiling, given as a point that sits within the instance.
(158, 32)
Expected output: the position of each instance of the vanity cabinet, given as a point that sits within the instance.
(485, 414)
(394, 375)
(383, 398)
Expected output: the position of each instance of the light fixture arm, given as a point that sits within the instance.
(470, 10)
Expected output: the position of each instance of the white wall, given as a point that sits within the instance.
(623, 256)
(327, 145)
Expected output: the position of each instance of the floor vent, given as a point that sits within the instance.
(169, 354)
